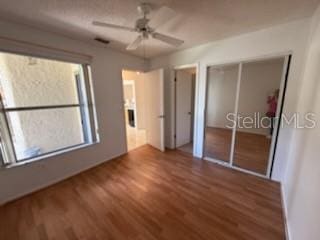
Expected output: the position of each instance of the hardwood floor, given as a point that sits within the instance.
(187, 148)
(251, 150)
(148, 194)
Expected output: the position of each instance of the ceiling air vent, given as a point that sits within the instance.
(101, 40)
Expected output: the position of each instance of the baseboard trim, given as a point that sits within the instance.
(55, 181)
(285, 212)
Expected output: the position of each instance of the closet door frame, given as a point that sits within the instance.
(282, 94)
(283, 83)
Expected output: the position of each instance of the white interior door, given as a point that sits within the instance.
(183, 107)
(154, 87)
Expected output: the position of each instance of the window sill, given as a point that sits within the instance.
(49, 155)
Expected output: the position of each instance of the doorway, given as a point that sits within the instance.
(134, 109)
(185, 82)
(243, 104)
(143, 108)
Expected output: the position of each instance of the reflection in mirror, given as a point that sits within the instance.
(259, 92)
(221, 96)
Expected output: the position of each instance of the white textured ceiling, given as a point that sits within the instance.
(196, 21)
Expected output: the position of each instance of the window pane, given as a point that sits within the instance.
(38, 132)
(29, 81)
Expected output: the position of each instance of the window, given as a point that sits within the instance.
(46, 107)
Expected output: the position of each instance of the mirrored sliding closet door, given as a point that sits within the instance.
(221, 99)
(243, 105)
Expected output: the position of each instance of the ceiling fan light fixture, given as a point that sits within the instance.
(146, 27)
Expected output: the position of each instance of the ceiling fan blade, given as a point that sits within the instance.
(167, 39)
(135, 44)
(109, 25)
(163, 15)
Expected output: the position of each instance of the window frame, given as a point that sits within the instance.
(85, 104)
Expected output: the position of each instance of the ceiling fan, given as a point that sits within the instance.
(145, 27)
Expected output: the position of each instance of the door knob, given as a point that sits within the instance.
(161, 116)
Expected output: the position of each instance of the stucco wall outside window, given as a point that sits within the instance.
(32, 82)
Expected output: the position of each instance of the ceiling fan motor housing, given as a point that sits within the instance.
(142, 25)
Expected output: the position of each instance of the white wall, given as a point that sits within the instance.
(106, 65)
(301, 183)
(128, 92)
(139, 81)
(267, 42)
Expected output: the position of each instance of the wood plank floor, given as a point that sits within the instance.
(187, 148)
(251, 150)
(148, 194)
